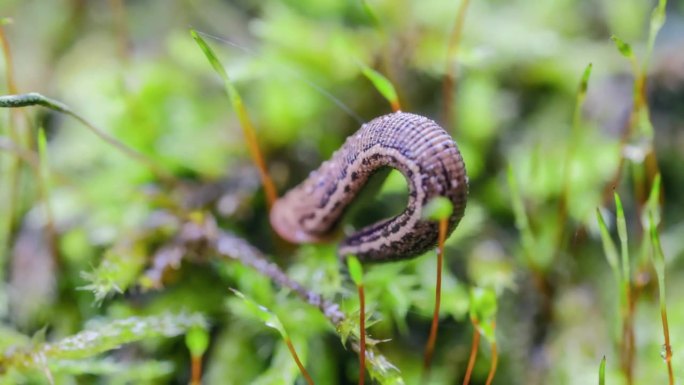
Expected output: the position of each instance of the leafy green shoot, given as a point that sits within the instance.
(624, 48)
(657, 22)
(383, 85)
(622, 235)
(483, 307)
(272, 321)
(609, 248)
(197, 341)
(660, 267)
(355, 270)
(602, 371)
(438, 208)
(118, 270)
(245, 121)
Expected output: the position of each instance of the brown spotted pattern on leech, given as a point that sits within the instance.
(416, 146)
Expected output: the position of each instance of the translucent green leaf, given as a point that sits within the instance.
(622, 235)
(624, 48)
(235, 98)
(438, 208)
(609, 247)
(271, 320)
(584, 83)
(355, 270)
(657, 22)
(382, 84)
(602, 372)
(197, 341)
(482, 304)
(658, 258)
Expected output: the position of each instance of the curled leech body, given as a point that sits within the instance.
(416, 146)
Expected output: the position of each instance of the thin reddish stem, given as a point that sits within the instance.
(473, 354)
(492, 368)
(291, 348)
(362, 335)
(196, 377)
(668, 347)
(430, 347)
(257, 157)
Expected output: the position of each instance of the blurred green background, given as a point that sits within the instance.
(81, 235)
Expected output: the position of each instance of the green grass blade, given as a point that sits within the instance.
(624, 48)
(609, 247)
(355, 270)
(657, 22)
(383, 85)
(269, 318)
(622, 235)
(602, 372)
(218, 67)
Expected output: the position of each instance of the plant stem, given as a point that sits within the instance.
(473, 353)
(492, 368)
(196, 377)
(362, 335)
(430, 347)
(291, 348)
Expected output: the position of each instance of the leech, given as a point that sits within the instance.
(416, 146)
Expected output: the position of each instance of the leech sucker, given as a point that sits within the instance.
(420, 149)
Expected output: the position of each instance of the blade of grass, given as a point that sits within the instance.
(292, 72)
(609, 248)
(602, 371)
(383, 85)
(659, 263)
(656, 23)
(622, 235)
(628, 310)
(245, 121)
